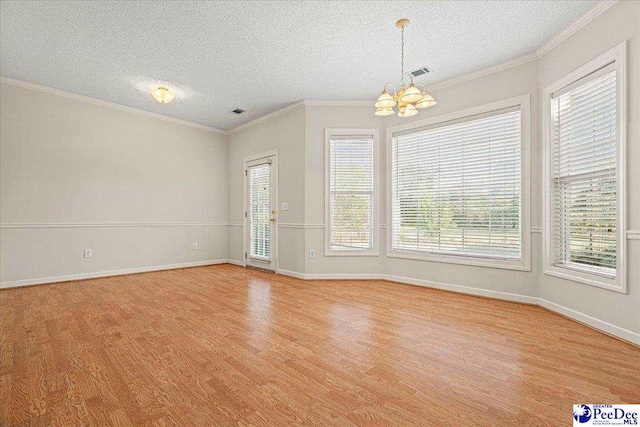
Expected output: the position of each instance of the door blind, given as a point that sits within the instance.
(584, 194)
(351, 190)
(456, 188)
(259, 211)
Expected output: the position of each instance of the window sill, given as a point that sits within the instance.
(516, 264)
(586, 278)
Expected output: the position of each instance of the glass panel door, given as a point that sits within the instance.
(261, 214)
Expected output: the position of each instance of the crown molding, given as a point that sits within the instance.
(525, 59)
(433, 87)
(267, 117)
(295, 106)
(436, 86)
(574, 27)
(107, 104)
(329, 103)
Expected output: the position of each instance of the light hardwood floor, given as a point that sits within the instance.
(223, 345)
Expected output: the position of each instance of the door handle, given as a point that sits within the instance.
(273, 216)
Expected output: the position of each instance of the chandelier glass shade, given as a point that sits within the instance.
(408, 99)
(385, 100)
(384, 112)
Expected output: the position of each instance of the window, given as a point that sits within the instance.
(351, 217)
(584, 200)
(457, 187)
(259, 211)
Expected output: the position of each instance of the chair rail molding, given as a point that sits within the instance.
(633, 234)
(110, 224)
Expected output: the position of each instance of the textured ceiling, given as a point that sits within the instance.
(261, 56)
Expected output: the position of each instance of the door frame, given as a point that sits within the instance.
(245, 196)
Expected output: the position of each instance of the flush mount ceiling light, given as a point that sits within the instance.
(162, 95)
(409, 99)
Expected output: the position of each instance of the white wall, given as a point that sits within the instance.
(318, 118)
(498, 86)
(286, 134)
(505, 84)
(509, 83)
(67, 164)
(619, 23)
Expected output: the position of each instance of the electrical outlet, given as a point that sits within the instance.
(88, 253)
(312, 253)
(194, 246)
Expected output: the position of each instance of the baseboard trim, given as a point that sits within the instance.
(331, 276)
(344, 276)
(526, 299)
(505, 296)
(608, 328)
(600, 325)
(291, 274)
(109, 273)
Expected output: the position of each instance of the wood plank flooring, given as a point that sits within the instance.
(223, 345)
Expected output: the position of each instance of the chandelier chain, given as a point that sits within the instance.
(402, 58)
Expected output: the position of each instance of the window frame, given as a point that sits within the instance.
(616, 55)
(524, 262)
(329, 133)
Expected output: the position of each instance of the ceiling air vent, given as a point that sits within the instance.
(238, 111)
(418, 72)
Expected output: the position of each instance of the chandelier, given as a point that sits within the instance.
(409, 99)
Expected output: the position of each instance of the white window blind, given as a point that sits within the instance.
(456, 188)
(584, 186)
(351, 192)
(259, 215)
